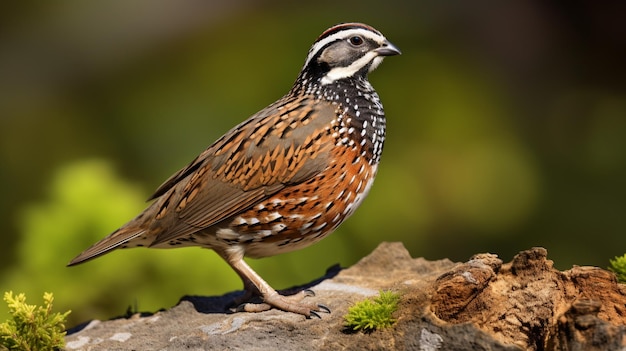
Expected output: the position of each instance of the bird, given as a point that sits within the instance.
(281, 180)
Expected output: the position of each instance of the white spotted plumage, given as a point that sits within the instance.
(284, 178)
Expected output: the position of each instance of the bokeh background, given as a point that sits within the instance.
(506, 130)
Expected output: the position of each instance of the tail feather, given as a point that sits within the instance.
(114, 241)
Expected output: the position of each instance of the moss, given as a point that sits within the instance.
(32, 327)
(618, 266)
(372, 314)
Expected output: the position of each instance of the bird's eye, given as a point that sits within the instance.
(356, 40)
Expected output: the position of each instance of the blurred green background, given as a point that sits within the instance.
(506, 130)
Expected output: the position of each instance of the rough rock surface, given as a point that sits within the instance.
(482, 304)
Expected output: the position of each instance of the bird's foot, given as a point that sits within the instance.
(291, 303)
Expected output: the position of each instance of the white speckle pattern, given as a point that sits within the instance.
(278, 227)
(265, 232)
(298, 218)
(253, 220)
(227, 234)
(239, 221)
(273, 216)
(362, 113)
(340, 195)
(319, 227)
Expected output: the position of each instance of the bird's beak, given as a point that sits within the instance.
(388, 49)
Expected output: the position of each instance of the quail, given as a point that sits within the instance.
(284, 178)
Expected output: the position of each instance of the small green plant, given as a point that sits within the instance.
(369, 314)
(618, 266)
(32, 327)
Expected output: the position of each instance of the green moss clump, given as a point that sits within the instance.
(32, 327)
(618, 266)
(369, 315)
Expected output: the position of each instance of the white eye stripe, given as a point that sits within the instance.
(344, 34)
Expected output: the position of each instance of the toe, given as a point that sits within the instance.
(253, 307)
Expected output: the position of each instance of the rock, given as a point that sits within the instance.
(482, 304)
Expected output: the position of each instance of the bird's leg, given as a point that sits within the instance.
(251, 293)
(254, 285)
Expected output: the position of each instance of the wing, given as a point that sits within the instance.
(278, 147)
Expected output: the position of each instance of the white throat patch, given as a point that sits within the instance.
(348, 71)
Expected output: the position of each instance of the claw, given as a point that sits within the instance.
(308, 292)
(323, 308)
(314, 314)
